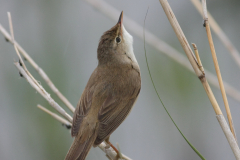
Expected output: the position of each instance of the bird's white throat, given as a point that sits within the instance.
(129, 44)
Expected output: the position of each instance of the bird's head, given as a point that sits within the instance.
(115, 43)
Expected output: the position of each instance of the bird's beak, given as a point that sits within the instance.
(120, 22)
(120, 18)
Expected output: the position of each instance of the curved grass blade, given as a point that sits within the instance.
(196, 151)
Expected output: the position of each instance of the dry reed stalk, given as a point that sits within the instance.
(196, 66)
(43, 92)
(219, 32)
(35, 66)
(54, 115)
(215, 61)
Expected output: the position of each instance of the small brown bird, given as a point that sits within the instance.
(110, 93)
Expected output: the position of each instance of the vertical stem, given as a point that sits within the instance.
(172, 19)
(198, 58)
(211, 96)
(215, 61)
(219, 32)
(232, 142)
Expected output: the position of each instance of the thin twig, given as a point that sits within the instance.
(24, 71)
(219, 32)
(43, 92)
(177, 29)
(18, 48)
(119, 152)
(19, 56)
(54, 115)
(215, 61)
(157, 43)
(111, 152)
(198, 58)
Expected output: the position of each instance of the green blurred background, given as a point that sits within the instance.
(62, 37)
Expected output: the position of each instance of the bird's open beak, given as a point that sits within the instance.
(120, 22)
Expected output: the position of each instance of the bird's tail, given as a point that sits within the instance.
(82, 144)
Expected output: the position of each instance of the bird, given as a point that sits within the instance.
(110, 93)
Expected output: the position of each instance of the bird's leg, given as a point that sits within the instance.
(110, 144)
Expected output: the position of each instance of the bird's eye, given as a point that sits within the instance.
(118, 39)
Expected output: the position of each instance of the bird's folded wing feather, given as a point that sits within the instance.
(82, 109)
(112, 113)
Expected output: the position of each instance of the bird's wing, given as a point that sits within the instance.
(82, 109)
(113, 112)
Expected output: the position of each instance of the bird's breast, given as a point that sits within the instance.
(123, 79)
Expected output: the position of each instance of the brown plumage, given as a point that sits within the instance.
(110, 92)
